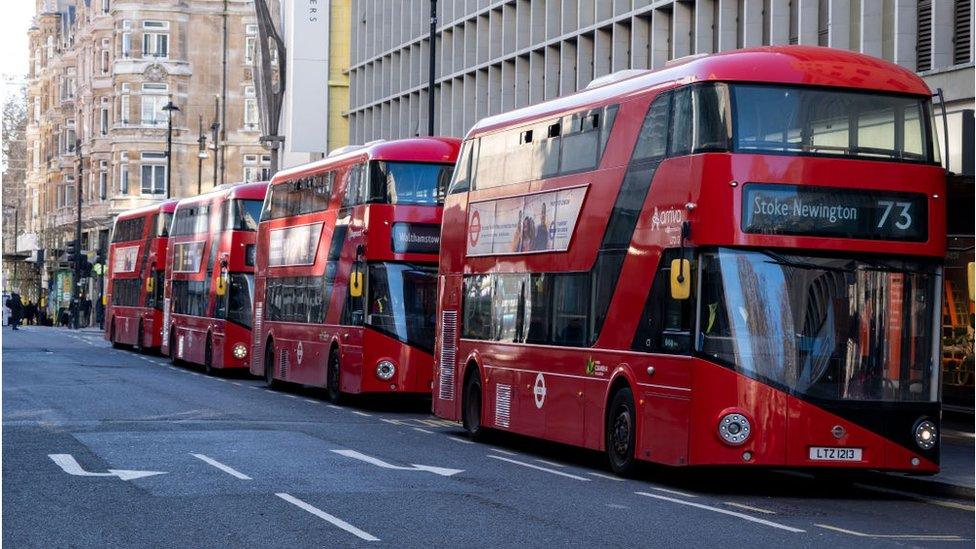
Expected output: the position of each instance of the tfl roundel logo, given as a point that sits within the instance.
(474, 228)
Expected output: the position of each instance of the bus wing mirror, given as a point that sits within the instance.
(680, 279)
(356, 283)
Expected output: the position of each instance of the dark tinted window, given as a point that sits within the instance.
(241, 215)
(189, 297)
(301, 299)
(652, 142)
(666, 324)
(298, 196)
(240, 295)
(409, 182)
(355, 186)
(128, 230)
(194, 219)
(163, 221)
(126, 292)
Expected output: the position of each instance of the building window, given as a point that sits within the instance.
(102, 180)
(103, 121)
(106, 6)
(126, 39)
(154, 98)
(251, 113)
(69, 137)
(105, 61)
(155, 44)
(37, 155)
(962, 38)
(250, 43)
(37, 110)
(257, 167)
(153, 173)
(123, 173)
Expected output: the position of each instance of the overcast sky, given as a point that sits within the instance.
(15, 19)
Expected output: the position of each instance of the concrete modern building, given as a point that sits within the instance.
(493, 56)
(101, 73)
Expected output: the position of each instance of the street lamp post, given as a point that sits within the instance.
(76, 287)
(432, 67)
(201, 155)
(215, 130)
(169, 108)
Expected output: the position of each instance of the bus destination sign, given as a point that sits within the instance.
(834, 212)
(416, 238)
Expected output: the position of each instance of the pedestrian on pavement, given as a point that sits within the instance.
(16, 307)
(86, 310)
(30, 311)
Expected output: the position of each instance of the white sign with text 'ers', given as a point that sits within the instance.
(307, 50)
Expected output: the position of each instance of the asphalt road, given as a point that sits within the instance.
(240, 465)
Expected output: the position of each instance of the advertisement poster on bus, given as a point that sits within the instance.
(124, 259)
(541, 222)
(294, 245)
(188, 256)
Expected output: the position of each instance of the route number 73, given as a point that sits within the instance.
(904, 217)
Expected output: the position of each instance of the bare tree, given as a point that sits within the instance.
(13, 157)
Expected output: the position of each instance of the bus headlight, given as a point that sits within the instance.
(240, 351)
(926, 434)
(385, 370)
(734, 429)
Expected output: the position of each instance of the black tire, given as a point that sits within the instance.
(111, 337)
(471, 406)
(269, 361)
(139, 347)
(621, 432)
(208, 357)
(172, 348)
(332, 385)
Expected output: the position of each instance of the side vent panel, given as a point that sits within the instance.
(446, 362)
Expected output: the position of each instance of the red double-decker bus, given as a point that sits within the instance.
(134, 282)
(347, 266)
(210, 277)
(709, 264)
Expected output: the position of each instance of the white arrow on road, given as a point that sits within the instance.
(71, 466)
(442, 471)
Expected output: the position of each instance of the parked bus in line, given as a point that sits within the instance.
(347, 264)
(134, 281)
(209, 285)
(704, 265)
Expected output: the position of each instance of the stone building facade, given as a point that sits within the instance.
(100, 73)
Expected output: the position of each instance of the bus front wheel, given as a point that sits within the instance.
(140, 346)
(172, 347)
(332, 378)
(621, 432)
(471, 412)
(269, 360)
(208, 357)
(111, 337)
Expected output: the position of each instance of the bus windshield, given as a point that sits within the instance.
(410, 182)
(826, 122)
(829, 328)
(244, 215)
(402, 302)
(239, 298)
(162, 223)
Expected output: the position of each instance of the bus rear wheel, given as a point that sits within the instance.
(269, 362)
(140, 346)
(332, 378)
(208, 357)
(172, 348)
(111, 337)
(471, 406)
(621, 432)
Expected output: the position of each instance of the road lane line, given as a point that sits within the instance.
(392, 421)
(310, 401)
(335, 521)
(913, 537)
(364, 414)
(423, 430)
(917, 497)
(724, 512)
(550, 463)
(538, 468)
(506, 452)
(334, 407)
(750, 508)
(675, 492)
(253, 387)
(236, 383)
(461, 440)
(608, 477)
(225, 468)
(289, 396)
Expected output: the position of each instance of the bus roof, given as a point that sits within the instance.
(229, 190)
(797, 65)
(412, 149)
(166, 206)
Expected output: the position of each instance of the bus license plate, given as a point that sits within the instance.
(826, 453)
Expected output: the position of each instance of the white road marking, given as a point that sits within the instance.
(69, 465)
(913, 537)
(750, 508)
(423, 430)
(550, 463)
(289, 396)
(225, 468)
(336, 521)
(236, 383)
(675, 492)
(608, 477)
(392, 421)
(917, 497)
(442, 471)
(310, 401)
(253, 387)
(461, 440)
(538, 468)
(364, 414)
(506, 452)
(334, 407)
(724, 512)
